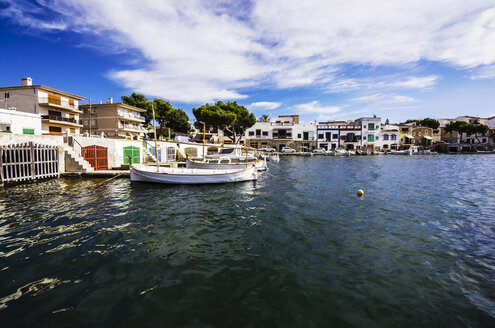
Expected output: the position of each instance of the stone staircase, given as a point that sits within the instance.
(149, 155)
(74, 162)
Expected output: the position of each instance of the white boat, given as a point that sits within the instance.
(169, 175)
(341, 152)
(225, 163)
(401, 152)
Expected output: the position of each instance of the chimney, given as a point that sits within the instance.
(110, 100)
(26, 81)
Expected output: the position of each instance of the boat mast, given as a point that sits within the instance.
(154, 132)
(204, 135)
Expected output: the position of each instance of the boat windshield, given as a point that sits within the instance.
(226, 151)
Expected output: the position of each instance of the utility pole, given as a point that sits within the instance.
(90, 116)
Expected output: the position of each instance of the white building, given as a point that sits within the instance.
(281, 131)
(19, 122)
(388, 137)
(328, 134)
(370, 131)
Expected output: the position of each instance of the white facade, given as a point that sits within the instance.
(328, 135)
(19, 122)
(388, 137)
(370, 131)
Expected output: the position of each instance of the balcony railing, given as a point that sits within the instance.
(282, 137)
(130, 127)
(57, 102)
(132, 117)
(59, 118)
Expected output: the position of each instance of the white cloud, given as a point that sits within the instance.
(380, 98)
(315, 107)
(264, 105)
(484, 72)
(207, 50)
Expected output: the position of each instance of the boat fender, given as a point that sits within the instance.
(360, 193)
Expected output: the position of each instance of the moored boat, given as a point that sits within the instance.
(169, 175)
(225, 163)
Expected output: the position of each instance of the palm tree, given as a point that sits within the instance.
(264, 118)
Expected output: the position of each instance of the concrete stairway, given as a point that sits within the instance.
(74, 162)
(150, 155)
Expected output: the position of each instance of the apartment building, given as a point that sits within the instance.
(370, 132)
(59, 110)
(113, 120)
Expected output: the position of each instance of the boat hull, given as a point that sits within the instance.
(259, 164)
(191, 176)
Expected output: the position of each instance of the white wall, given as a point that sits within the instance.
(17, 121)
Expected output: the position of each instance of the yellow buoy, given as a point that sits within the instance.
(360, 193)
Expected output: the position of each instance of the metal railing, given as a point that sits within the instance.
(133, 117)
(59, 118)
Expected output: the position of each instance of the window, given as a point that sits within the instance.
(71, 102)
(371, 126)
(52, 99)
(54, 129)
(299, 136)
(320, 136)
(335, 136)
(258, 132)
(27, 131)
(364, 137)
(426, 132)
(371, 138)
(385, 137)
(265, 133)
(404, 129)
(376, 138)
(364, 127)
(393, 137)
(72, 130)
(251, 133)
(54, 113)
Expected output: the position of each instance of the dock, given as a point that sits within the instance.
(103, 174)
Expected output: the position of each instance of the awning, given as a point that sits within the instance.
(409, 136)
(426, 137)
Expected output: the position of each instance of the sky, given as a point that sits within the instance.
(321, 59)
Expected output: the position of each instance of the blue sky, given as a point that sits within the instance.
(320, 59)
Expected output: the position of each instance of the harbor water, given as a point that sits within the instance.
(297, 248)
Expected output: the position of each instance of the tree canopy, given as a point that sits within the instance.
(427, 122)
(468, 128)
(166, 115)
(230, 117)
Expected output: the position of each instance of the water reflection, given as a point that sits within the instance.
(297, 246)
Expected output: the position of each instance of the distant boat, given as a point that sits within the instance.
(225, 163)
(169, 175)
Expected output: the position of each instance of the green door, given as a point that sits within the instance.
(133, 152)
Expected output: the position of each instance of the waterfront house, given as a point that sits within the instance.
(328, 134)
(278, 132)
(405, 136)
(423, 136)
(13, 121)
(59, 110)
(388, 137)
(113, 120)
(304, 136)
(370, 132)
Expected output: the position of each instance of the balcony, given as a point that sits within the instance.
(282, 123)
(131, 117)
(131, 128)
(59, 104)
(60, 120)
(282, 137)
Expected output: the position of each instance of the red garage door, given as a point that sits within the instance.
(97, 157)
